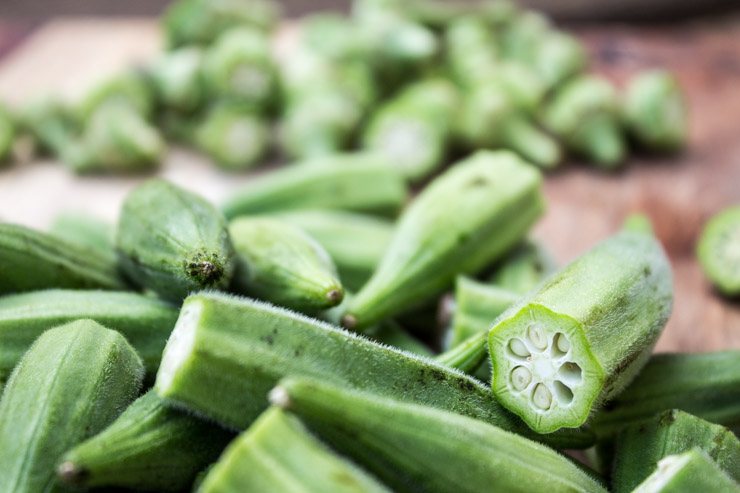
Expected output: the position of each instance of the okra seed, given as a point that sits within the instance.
(521, 378)
(562, 343)
(542, 397)
(537, 337)
(517, 347)
(570, 372)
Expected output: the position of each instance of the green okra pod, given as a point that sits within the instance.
(85, 230)
(491, 118)
(178, 79)
(524, 267)
(173, 241)
(117, 139)
(690, 471)
(717, 250)
(7, 135)
(578, 339)
(471, 52)
(50, 123)
(464, 220)
(321, 123)
(238, 67)
(131, 89)
(200, 22)
(522, 37)
(278, 453)
(150, 447)
(235, 137)
(353, 182)
(584, 114)
(412, 447)
(32, 260)
(655, 112)
(225, 353)
(705, 385)
(467, 355)
(415, 128)
(145, 322)
(72, 383)
(280, 263)
(641, 446)
(354, 241)
(559, 57)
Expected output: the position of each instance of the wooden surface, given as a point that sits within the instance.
(585, 206)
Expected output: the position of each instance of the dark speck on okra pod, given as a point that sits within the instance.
(226, 353)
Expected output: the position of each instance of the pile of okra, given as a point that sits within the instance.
(376, 315)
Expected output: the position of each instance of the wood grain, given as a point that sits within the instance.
(585, 206)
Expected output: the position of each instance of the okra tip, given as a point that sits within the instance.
(335, 296)
(280, 397)
(349, 321)
(70, 473)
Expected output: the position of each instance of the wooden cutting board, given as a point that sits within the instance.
(585, 206)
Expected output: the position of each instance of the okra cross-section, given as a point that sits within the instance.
(580, 338)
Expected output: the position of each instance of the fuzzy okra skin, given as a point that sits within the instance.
(173, 241)
(150, 447)
(464, 220)
(356, 182)
(354, 241)
(641, 446)
(580, 337)
(687, 472)
(705, 385)
(145, 322)
(280, 263)
(226, 353)
(72, 383)
(32, 260)
(278, 453)
(413, 447)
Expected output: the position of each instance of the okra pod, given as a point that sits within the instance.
(472, 53)
(72, 383)
(280, 263)
(173, 241)
(178, 79)
(641, 446)
(226, 353)
(464, 220)
(491, 118)
(559, 57)
(655, 112)
(278, 453)
(719, 244)
(238, 67)
(584, 114)
(131, 89)
(582, 336)
(690, 471)
(150, 447)
(415, 128)
(705, 385)
(7, 135)
(145, 322)
(353, 182)
(412, 447)
(235, 137)
(32, 260)
(355, 242)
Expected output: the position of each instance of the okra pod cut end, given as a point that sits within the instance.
(543, 369)
(719, 251)
(69, 473)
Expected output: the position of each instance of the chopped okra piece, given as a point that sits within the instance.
(131, 89)
(688, 472)
(655, 112)
(584, 114)
(579, 338)
(719, 251)
(559, 57)
(236, 137)
(178, 79)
